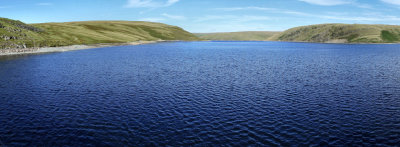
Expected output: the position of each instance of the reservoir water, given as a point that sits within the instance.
(203, 94)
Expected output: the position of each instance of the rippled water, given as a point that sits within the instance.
(203, 93)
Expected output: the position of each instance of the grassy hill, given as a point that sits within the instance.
(323, 33)
(245, 36)
(16, 34)
(342, 33)
(13, 34)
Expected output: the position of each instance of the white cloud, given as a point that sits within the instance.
(395, 2)
(177, 17)
(164, 17)
(272, 10)
(44, 4)
(366, 6)
(245, 8)
(153, 19)
(232, 18)
(171, 2)
(328, 2)
(149, 3)
(246, 18)
(329, 15)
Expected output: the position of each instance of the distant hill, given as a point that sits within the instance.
(342, 33)
(16, 34)
(322, 33)
(245, 36)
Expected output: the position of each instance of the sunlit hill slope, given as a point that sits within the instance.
(322, 33)
(16, 34)
(342, 33)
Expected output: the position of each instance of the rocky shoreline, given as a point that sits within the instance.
(20, 51)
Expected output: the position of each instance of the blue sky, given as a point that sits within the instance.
(209, 15)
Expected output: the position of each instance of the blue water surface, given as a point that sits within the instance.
(203, 94)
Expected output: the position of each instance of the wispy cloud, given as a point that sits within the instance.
(337, 2)
(395, 2)
(245, 8)
(164, 17)
(177, 17)
(328, 2)
(271, 10)
(232, 18)
(267, 16)
(152, 19)
(44, 4)
(149, 3)
(331, 16)
(360, 5)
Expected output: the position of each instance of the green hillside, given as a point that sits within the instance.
(245, 36)
(15, 34)
(323, 33)
(342, 33)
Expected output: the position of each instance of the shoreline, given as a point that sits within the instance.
(10, 52)
(302, 42)
(40, 50)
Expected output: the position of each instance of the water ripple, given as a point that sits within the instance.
(202, 94)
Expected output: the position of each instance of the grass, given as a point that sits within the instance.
(325, 33)
(389, 36)
(88, 32)
(245, 36)
(16, 34)
(113, 31)
(344, 33)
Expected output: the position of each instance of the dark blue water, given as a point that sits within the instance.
(203, 93)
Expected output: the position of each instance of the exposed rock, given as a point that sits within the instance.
(12, 30)
(20, 25)
(12, 45)
(6, 38)
(28, 27)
